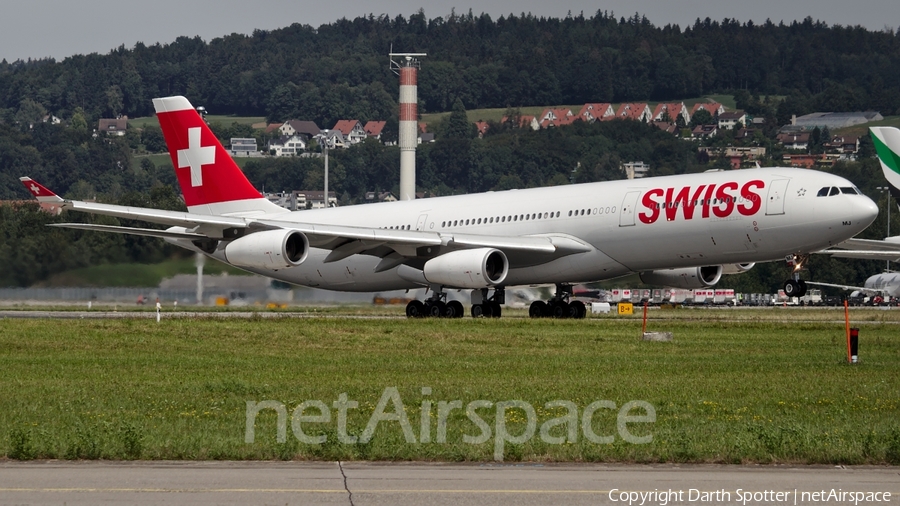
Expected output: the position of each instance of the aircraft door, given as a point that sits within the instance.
(629, 203)
(775, 200)
(420, 225)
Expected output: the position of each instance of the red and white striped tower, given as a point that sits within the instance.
(407, 66)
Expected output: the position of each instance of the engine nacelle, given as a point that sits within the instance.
(272, 249)
(470, 268)
(687, 277)
(736, 268)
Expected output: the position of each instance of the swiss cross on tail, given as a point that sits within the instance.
(39, 191)
(196, 156)
(206, 173)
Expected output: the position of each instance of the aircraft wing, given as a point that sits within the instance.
(868, 291)
(867, 249)
(889, 244)
(893, 256)
(342, 240)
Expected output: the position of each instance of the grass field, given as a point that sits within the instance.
(734, 386)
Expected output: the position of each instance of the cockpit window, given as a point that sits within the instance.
(823, 192)
(848, 190)
(834, 191)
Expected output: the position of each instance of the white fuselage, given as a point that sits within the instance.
(712, 218)
(887, 283)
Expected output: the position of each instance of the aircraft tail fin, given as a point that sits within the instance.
(210, 180)
(887, 145)
(41, 192)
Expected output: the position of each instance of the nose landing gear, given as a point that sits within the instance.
(795, 287)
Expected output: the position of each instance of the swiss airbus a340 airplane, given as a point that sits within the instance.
(680, 231)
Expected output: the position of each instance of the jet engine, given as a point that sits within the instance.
(272, 249)
(736, 268)
(470, 268)
(687, 277)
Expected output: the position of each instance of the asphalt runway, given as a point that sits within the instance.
(360, 483)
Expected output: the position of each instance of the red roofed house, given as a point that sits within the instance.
(639, 112)
(556, 117)
(374, 128)
(714, 108)
(352, 130)
(596, 112)
(482, 127)
(673, 110)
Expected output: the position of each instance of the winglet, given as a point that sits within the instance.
(40, 192)
(887, 145)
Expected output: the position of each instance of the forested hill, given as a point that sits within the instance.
(340, 70)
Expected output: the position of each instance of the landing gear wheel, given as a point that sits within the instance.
(577, 310)
(792, 288)
(435, 308)
(415, 309)
(495, 310)
(538, 309)
(559, 309)
(478, 311)
(454, 309)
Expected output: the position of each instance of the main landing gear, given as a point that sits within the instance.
(559, 306)
(795, 287)
(488, 307)
(435, 306)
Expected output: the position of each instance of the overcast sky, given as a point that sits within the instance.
(61, 28)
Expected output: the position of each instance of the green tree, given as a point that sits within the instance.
(30, 113)
(701, 117)
(457, 124)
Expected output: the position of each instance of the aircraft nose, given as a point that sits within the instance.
(866, 211)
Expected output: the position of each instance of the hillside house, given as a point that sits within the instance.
(794, 140)
(352, 130)
(674, 111)
(727, 120)
(115, 127)
(638, 112)
(242, 146)
(307, 128)
(556, 117)
(713, 108)
(703, 131)
(596, 112)
(374, 128)
(843, 144)
(288, 145)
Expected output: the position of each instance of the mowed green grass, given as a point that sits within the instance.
(747, 390)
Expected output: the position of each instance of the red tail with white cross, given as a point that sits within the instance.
(205, 171)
